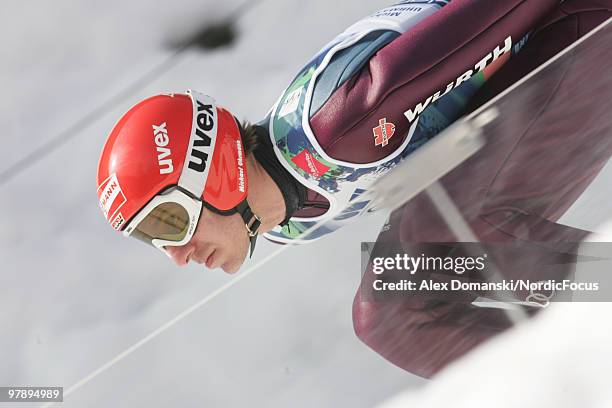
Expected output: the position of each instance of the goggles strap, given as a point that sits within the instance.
(251, 221)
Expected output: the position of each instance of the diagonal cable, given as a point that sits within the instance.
(54, 143)
(62, 138)
(181, 316)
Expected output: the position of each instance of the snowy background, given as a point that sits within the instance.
(75, 294)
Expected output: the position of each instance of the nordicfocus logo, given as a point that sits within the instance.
(412, 114)
(160, 135)
(205, 122)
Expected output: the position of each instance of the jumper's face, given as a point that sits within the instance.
(219, 241)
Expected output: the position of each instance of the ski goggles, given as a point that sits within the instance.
(169, 219)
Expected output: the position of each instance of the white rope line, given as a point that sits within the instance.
(168, 325)
(193, 308)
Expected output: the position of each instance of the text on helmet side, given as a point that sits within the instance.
(205, 123)
(160, 135)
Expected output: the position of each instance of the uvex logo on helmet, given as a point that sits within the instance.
(200, 151)
(160, 135)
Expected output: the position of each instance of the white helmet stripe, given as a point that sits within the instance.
(202, 141)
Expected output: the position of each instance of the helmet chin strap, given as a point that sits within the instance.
(251, 221)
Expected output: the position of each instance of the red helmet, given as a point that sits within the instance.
(165, 158)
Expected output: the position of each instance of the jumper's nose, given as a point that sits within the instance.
(180, 254)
